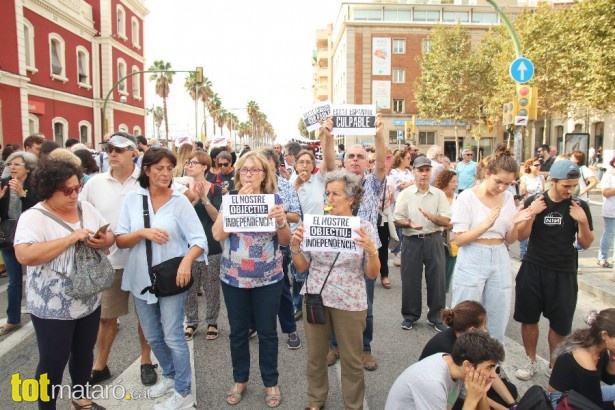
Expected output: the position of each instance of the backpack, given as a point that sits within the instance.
(536, 398)
(571, 400)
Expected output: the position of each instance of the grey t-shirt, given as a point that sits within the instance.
(425, 385)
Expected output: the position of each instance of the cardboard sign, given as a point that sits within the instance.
(317, 113)
(330, 233)
(248, 213)
(354, 119)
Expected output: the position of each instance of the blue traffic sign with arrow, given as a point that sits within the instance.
(521, 70)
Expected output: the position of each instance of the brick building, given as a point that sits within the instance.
(59, 61)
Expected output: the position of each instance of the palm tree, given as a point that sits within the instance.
(253, 110)
(244, 130)
(213, 105)
(231, 122)
(221, 115)
(158, 117)
(193, 88)
(205, 93)
(163, 78)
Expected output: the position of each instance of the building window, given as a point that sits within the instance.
(399, 75)
(83, 67)
(426, 46)
(427, 137)
(60, 130)
(123, 128)
(56, 51)
(367, 15)
(84, 132)
(399, 46)
(28, 33)
(426, 15)
(136, 131)
(135, 33)
(455, 16)
(121, 73)
(397, 15)
(121, 22)
(484, 17)
(136, 83)
(398, 106)
(33, 124)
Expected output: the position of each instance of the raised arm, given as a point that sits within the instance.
(381, 149)
(327, 145)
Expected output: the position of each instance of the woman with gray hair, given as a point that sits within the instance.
(16, 195)
(338, 277)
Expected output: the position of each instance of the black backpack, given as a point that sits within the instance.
(536, 398)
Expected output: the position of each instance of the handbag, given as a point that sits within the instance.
(164, 275)
(7, 233)
(93, 271)
(571, 400)
(314, 306)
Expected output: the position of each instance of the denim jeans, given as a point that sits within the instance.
(163, 327)
(523, 248)
(606, 241)
(15, 288)
(286, 314)
(484, 273)
(368, 333)
(264, 303)
(298, 281)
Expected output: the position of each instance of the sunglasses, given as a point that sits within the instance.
(357, 156)
(69, 191)
(110, 148)
(468, 155)
(224, 164)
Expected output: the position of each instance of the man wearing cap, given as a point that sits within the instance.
(422, 210)
(547, 279)
(105, 191)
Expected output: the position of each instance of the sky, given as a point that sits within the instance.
(250, 50)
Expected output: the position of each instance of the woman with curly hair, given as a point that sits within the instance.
(586, 358)
(484, 221)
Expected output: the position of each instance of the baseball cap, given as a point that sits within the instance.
(564, 169)
(421, 162)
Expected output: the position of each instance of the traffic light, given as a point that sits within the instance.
(527, 101)
(509, 111)
(410, 128)
(199, 75)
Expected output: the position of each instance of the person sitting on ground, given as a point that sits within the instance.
(585, 358)
(435, 382)
(467, 316)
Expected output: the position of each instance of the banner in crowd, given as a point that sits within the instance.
(354, 119)
(312, 143)
(317, 113)
(330, 233)
(248, 213)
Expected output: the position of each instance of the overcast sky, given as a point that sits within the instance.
(250, 50)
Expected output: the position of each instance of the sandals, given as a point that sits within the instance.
(235, 395)
(211, 334)
(386, 283)
(605, 264)
(8, 328)
(273, 399)
(90, 406)
(190, 331)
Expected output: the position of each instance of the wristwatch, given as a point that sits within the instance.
(206, 203)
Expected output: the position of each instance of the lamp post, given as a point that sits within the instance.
(198, 71)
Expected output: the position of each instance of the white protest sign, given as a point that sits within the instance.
(317, 113)
(354, 119)
(248, 213)
(330, 233)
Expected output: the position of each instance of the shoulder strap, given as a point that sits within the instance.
(58, 220)
(148, 243)
(327, 277)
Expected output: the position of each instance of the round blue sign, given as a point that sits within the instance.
(521, 70)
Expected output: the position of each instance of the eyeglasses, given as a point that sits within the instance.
(304, 162)
(357, 156)
(69, 191)
(193, 163)
(16, 164)
(110, 148)
(251, 171)
(468, 155)
(536, 165)
(224, 164)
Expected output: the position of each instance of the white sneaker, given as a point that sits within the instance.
(161, 388)
(397, 260)
(176, 402)
(526, 371)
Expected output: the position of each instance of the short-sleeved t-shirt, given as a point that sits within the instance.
(469, 212)
(440, 343)
(345, 288)
(551, 242)
(608, 204)
(46, 284)
(426, 385)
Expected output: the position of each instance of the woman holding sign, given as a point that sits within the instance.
(251, 274)
(338, 278)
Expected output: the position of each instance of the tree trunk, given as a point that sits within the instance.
(456, 144)
(166, 119)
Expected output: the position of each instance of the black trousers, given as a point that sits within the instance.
(416, 253)
(383, 251)
(61, 342)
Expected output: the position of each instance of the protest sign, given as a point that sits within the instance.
(354, 119)
(248, 213)
(317, 113)
(330, 233)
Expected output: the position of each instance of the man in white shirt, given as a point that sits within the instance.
(106, 191)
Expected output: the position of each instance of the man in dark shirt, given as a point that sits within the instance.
(226, 177)
(546, 159)
(547, 280)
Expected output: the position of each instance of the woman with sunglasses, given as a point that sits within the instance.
(206, 205)
(16, 196)
(251, 274)
(65, 326)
